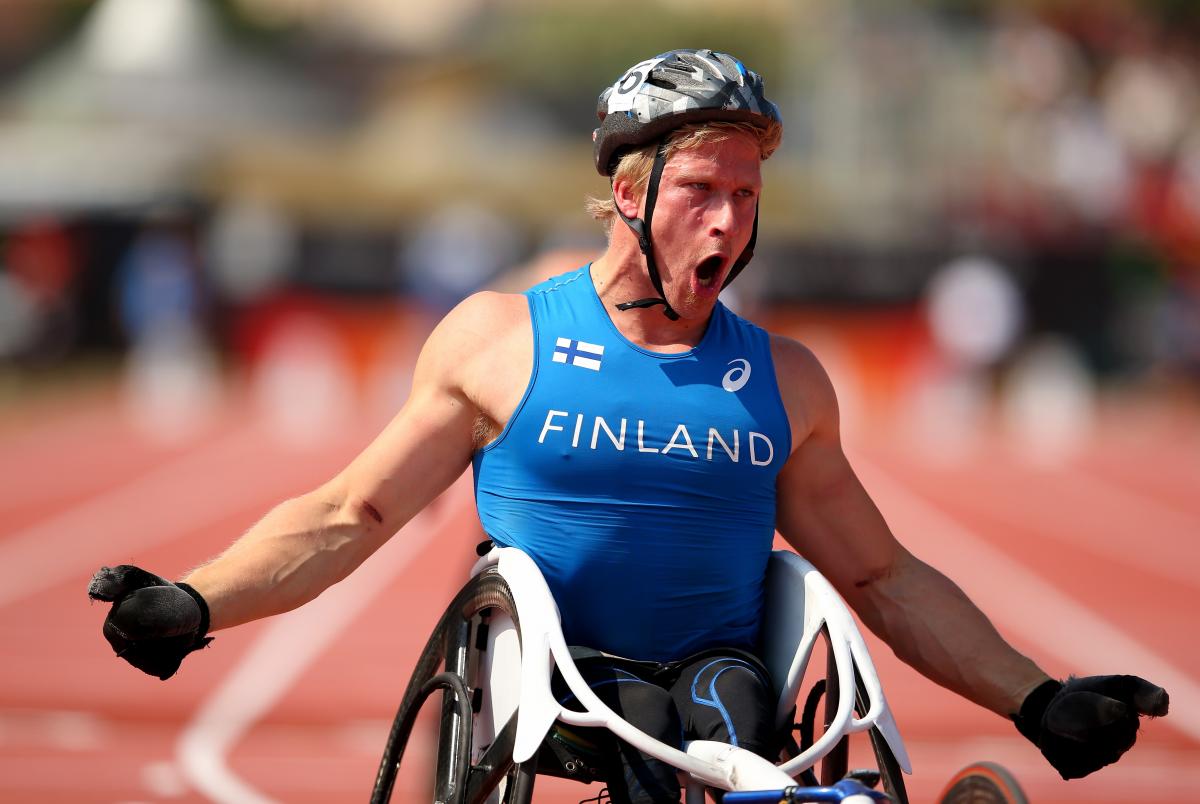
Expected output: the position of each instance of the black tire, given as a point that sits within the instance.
(983, 783)
(447, 663)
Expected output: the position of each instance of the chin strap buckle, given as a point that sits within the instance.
(641, 303)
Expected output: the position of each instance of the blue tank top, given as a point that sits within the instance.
(642, 484)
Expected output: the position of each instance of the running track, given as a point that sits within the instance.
(1090, 565)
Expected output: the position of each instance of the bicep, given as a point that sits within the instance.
(827, 516)
(823, 511)
(425, 447)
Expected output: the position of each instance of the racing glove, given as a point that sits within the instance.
(153, 623)
(1083, 724)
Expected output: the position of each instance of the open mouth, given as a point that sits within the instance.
(708, 269)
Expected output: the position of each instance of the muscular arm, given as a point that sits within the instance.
(310, 542)
(827, 516)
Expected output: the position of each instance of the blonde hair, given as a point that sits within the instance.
(635, 165)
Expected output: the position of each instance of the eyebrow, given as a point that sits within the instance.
(687, 177)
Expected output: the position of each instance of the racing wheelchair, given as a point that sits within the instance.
(494, 651)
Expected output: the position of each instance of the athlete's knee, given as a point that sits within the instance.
(635, 777)
(735, 679)
(731, 700)
(651, 709)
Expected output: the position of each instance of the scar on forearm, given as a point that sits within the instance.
(372, 512)
(873, 577)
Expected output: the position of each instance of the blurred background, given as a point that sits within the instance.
(227, 225)
(194, 167)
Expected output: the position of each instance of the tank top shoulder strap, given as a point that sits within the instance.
(563, 301)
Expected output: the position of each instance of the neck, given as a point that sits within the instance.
(620, 276)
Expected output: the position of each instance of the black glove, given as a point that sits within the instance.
(1087, 723)
(153, 623)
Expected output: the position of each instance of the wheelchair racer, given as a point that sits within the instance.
(642, 444)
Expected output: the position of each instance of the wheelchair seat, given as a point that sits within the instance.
(500, 641)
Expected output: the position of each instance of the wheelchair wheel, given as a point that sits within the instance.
(474, 758)
(983, 783)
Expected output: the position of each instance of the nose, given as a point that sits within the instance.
(723, 217)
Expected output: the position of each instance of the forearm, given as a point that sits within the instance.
(934, 627)
(300, 548)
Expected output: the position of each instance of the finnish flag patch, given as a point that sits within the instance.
(578, 353)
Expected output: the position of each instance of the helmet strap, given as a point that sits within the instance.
(747, 253)
(641, 228)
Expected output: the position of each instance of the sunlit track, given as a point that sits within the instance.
(73, 456)
(1076, 507)
(1171, 483)
(195, 489)
(1155, 454)
(1168, 522)
(315, 732)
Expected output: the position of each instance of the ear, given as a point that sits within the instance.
(627, 199)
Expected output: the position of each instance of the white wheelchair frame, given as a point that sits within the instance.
(483, 757)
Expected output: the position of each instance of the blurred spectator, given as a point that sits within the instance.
(171, 376)
(251, 247)
(457, 251)
(18, 318)
(38, 298)
(157, 283)
(975, 312)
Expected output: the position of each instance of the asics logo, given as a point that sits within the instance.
(737, 377)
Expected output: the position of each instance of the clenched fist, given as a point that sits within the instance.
(1086, 723)
(153, 623)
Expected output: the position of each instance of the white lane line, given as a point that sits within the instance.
(192, 491)
(1095, 514)
(57, 729)
(285, 648)
(1166, 536)
(163, 779)
(1011, 594)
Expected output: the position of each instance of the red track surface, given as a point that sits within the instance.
(1090, 566)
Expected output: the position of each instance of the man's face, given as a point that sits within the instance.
(703, 220)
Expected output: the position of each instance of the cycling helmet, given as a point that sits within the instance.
(657, 96)
(673, 89)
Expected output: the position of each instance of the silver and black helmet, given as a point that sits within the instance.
(673, 89)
